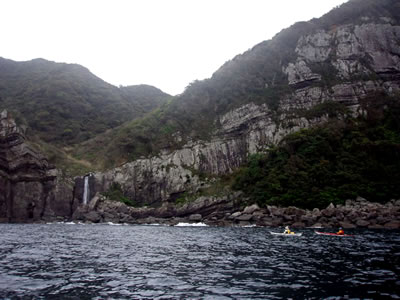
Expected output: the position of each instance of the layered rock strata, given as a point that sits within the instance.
(357, 57)
(30, 188)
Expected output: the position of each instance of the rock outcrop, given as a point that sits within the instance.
(212, 209)
(225, 211)
(350, 54)
(30, 188)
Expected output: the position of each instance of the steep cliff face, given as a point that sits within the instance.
(348, 52)
(30, 188)
(343, 65)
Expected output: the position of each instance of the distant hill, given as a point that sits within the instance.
(64, 104)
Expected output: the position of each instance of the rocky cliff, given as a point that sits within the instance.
(30, 188)
(248, 106)
(343, 65)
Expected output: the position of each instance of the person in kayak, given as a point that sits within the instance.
(340, 232)
(287, 230)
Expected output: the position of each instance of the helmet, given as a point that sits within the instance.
(287, 227)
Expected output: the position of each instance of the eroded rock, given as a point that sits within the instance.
(30, 188)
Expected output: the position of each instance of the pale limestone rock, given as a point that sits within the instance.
(300, 72)
(316, 47)
(251, 209)
(195, 218)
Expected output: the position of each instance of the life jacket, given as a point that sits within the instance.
(341, 232)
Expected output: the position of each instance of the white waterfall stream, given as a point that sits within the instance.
(86, 190)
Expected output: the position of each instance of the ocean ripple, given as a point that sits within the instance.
(52, 261)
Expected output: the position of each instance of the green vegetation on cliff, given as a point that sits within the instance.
(254, 76)
(330, 163)
(115, 193)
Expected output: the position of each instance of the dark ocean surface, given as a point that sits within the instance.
(65, 261)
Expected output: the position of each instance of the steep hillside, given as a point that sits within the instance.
(64, 104)
(326, 71)
(315, 54)
(343, 159)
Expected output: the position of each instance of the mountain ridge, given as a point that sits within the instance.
(41, 85)
(259, 75)
(64, 104)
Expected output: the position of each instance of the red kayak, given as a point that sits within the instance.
(330, 233)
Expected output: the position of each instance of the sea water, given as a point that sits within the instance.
(78, 261)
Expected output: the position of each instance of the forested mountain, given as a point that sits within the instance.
(64, 104)
(266, 74)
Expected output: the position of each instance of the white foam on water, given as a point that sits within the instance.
(113, 224)
(191, 224)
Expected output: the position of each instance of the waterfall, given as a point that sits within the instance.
(86, 190)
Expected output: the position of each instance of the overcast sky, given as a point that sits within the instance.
(165, 43)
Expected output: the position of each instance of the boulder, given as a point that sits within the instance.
(362, 223)
(392, 225)
(258, 215)
(299, 225)
(235, 215)
(288, 217)
(244, 217)
(244, 223)
(126, 219)
(276, 211)
(94, 202)
(361, 199)
(110, 217)
(317, 225)
(375, 226)
(331, 206)
(277, 221)
(308, 219)
(195, 218)
(251, 209)
(93, 216)
(79, 214)
(294, 211)
(328, 212)
(316, 213)
(347, 225)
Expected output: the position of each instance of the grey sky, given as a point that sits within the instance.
(165, 43)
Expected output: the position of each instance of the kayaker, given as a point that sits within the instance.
(340, 232)
(287, 230)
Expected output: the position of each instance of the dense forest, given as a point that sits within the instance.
(345, 158)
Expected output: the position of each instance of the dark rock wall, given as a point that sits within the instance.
(30, 188)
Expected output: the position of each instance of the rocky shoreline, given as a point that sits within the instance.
(223, 211)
